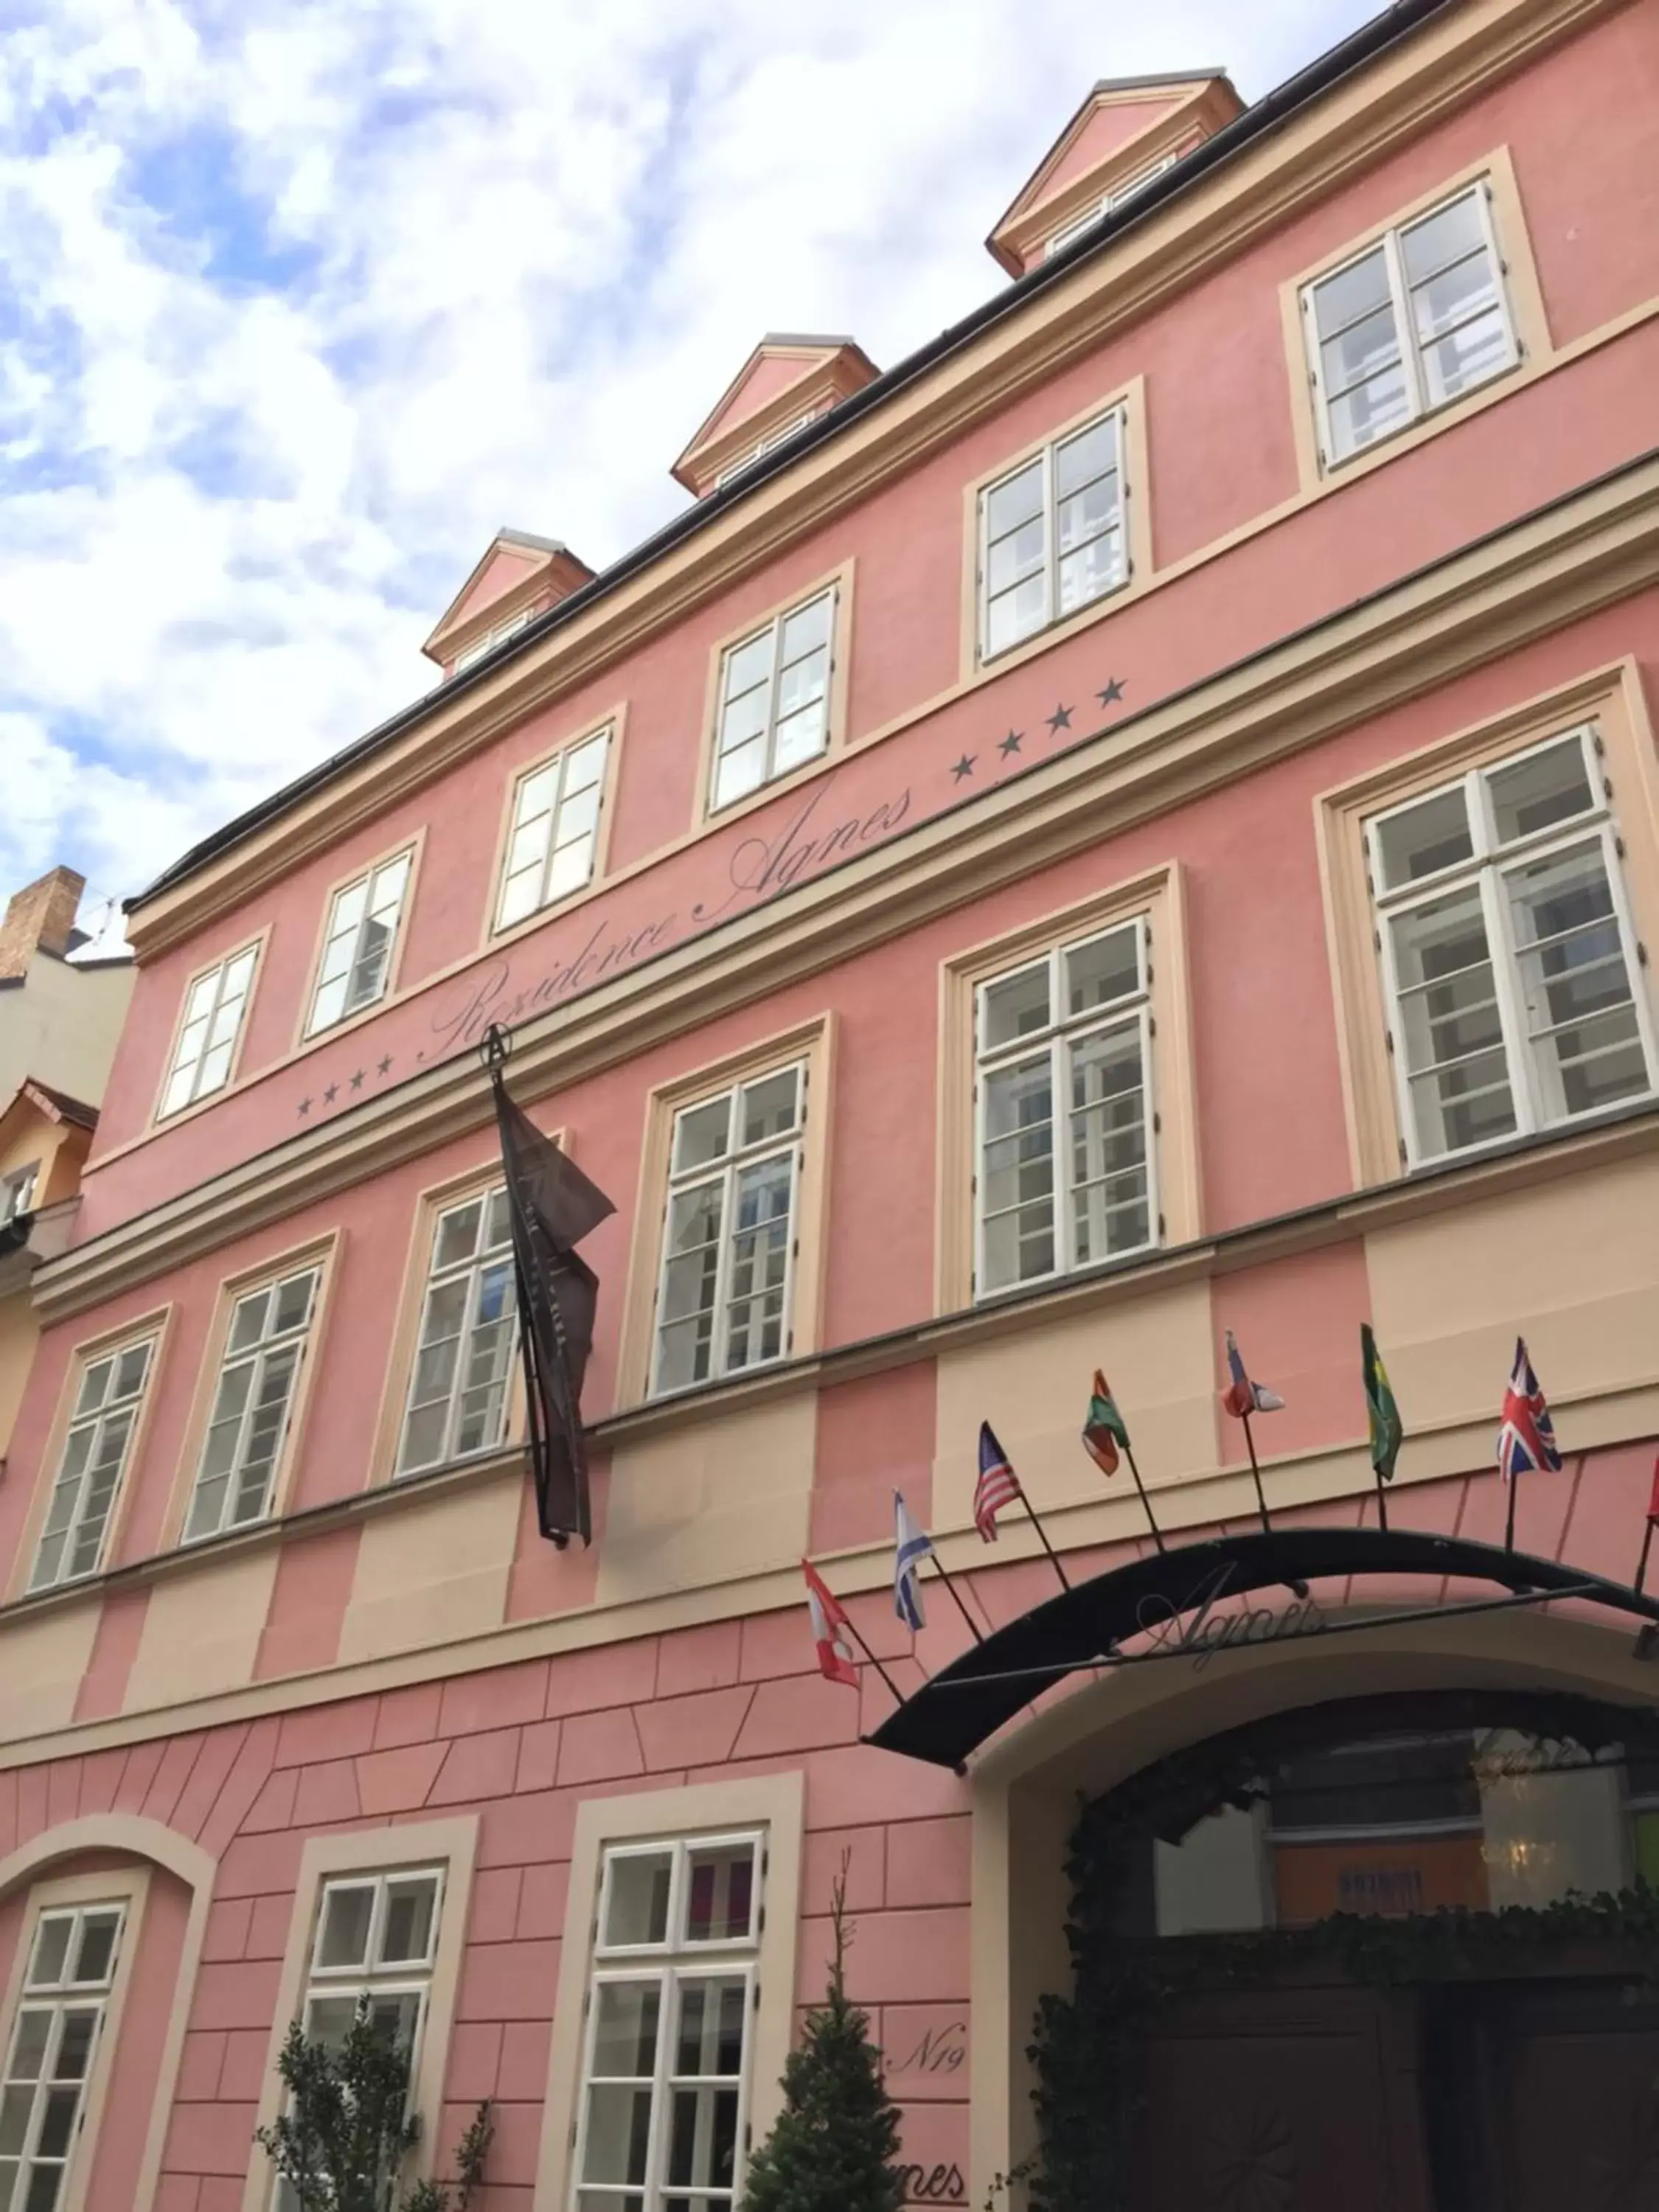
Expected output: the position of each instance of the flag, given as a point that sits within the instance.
(1380, 1410)
(1242, 1396)
(1527, 1439)
(552, 1206)
(1104, 1428)
(998, 1484)
(910, 1548)
(836, 1662)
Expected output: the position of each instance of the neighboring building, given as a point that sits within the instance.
(1140, 821)
(44, 1138)
(64, 986)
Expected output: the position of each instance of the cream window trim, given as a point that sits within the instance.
(724, 667)
(449, 1847)
(70, 1476)
(349, 957)
(204, 1053)
(771, 1806)
(810, 1048)
(1528, 342)
(319, 1255)
(125, 1889)
(1609, 701)
(1161, 1011)
(571, 852)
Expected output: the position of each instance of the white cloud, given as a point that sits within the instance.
(300, 301)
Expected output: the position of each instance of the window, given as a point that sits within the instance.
(665, 2086)
(1052, 534)
(555, 823)
(773, 706)
(491, 638)
(207, 1041)
(362, 928)
(66, 1987)
(1416, 321)
(458, 1393)
(17, 1192)
(1506, 950)
(1064, 1175)
(94, 1454)
(729, 1240)
(1101, 207)
(762, 446)
(377, 1936)
(250, 1407)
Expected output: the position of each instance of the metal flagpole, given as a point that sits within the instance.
(1042, 1533)
(1508, 1524)
(1298, 1587)
(1158, 1534)
(1642, 1563)
(1382, 1502)
(893, 1688)
(944, 1575)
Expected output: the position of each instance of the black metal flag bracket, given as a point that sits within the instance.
(552, 1206)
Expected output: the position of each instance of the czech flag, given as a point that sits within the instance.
(1526, 1438)
(836, 1662)
(1242, 1396)
(998, 1484)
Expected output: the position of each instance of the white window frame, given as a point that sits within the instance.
(726, 1170)
(473, 1267)
(830, 595)
(257, 1356)
(1486, 867)
(491, 638)
(1411, 347)
(1061, 1033)
(1104, 206)
(93, 1422)
(58, 1998)
(677, 1962)
(559, 762)
(762, 446)
(17, 1192)
(1118, 412)
(195, 1059)
(404, 861)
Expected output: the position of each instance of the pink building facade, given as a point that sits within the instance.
(1140, 822)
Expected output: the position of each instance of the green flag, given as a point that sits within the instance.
(1383, 1414)
(1105, 1428)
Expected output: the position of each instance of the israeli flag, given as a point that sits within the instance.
(911, 1548)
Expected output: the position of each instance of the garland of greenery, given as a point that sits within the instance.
(1086, 2045)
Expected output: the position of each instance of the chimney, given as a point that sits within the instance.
(39, 918)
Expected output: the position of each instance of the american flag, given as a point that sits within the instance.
(998, 1484)
(1527, 1439)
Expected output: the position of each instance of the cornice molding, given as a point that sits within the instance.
(1355, 124)
(1585, 553)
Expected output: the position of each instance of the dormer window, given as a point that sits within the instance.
(788, 381)
(762, 446)
(491, 638)
(1069, 233)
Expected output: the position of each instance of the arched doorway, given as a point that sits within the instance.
(1394, 1953)
(1326, 1901)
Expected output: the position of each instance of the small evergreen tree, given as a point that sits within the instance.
(836, 2138)
(340, 2143)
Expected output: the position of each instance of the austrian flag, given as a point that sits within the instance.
(1527, 1439)
(830, 1632)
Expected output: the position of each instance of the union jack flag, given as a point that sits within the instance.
(1527, 1439)
(998, 1484)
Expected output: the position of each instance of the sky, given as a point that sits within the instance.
(300, 300)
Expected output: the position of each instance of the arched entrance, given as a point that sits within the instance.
(1323, 1920)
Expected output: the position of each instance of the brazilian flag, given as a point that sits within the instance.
(1384, 1415)
(1105, 1429)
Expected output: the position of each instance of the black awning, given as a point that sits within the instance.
(952, 1714)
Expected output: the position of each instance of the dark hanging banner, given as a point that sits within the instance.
(552, 1205)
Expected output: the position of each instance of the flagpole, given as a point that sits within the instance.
(944, 1575)
(1642, 1563)
(1297, 1587)
(1158, 1534)
(897, 1693)
(1509, 1526)
(1042, 1533)
(1381, 1503)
